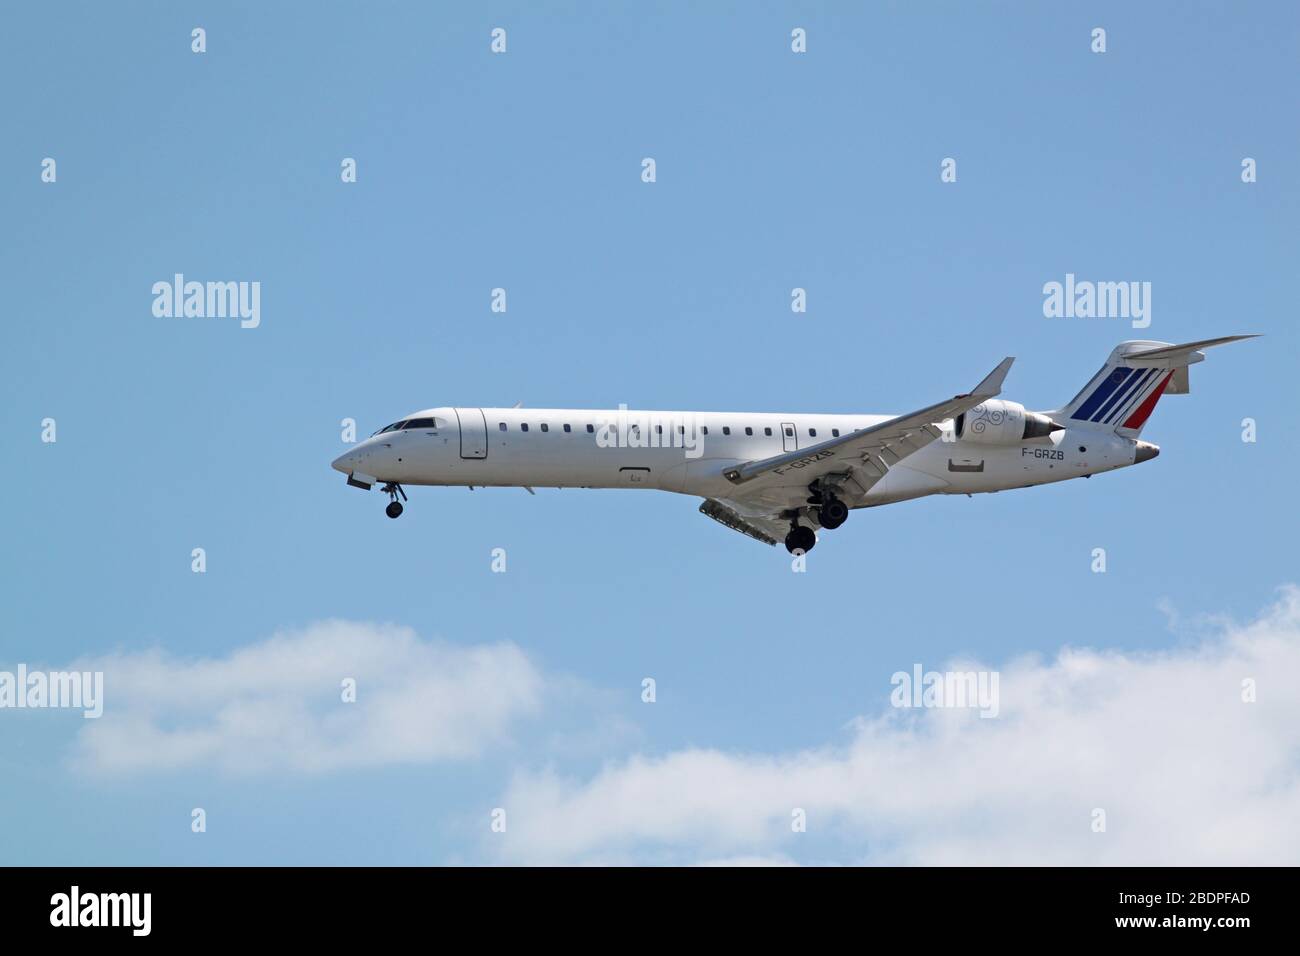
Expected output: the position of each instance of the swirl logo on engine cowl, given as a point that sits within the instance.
(982, 417)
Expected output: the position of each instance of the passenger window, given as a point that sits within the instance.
(502, 426)
(567, 428)
(706, 429)
(789, 433)
(681, 429)
(590, 429)
(767, 431)
(726, 429)
(812, 433)
(523, 427)
(659, 429)
(835, 433)
(545, 427)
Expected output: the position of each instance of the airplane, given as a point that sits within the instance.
(784, 476)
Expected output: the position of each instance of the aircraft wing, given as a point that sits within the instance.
(767, 487)
(869, 452)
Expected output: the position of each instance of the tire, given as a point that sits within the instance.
(833, 513)
(800, 539)
(394, 509)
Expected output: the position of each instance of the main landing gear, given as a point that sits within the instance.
(800, 539)
(394, 506)
(831, 511)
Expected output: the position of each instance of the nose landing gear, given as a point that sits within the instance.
(394, 506)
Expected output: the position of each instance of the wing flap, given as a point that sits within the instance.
(732, 519)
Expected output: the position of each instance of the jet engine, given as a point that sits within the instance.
(999, 422)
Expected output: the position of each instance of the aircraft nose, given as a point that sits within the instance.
(345, 462)
(1145, 452)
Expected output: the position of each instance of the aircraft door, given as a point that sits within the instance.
(789, 438)
(473, 432)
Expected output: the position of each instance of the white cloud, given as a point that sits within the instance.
(1186, 772)
(276, 705)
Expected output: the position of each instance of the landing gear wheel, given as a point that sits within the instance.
(393, 489)
(832, 513)
(800, 539)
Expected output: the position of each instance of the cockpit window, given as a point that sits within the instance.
(390, 428)
(420, 423)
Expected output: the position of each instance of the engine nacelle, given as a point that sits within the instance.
(999, 422)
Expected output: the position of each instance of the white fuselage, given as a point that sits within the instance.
(687, 452)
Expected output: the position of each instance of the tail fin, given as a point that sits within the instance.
(1122, 395)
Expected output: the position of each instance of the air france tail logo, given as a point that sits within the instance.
(1123, 398)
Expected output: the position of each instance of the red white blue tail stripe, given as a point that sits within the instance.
(1124, 397)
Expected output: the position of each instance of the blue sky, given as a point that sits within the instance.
(522, 171)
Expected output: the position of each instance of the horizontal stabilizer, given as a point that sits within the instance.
(1173, 351)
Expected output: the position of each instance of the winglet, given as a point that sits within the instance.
(992, 384)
